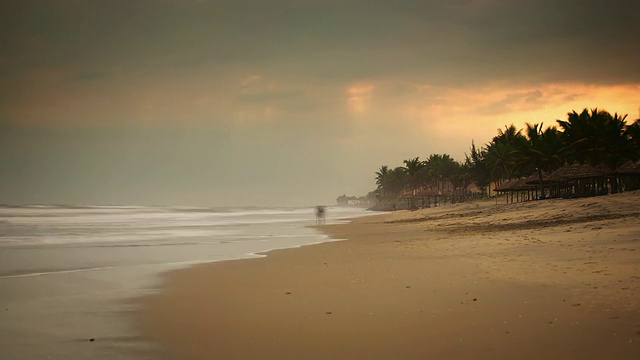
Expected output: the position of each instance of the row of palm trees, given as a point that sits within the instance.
(433, 172)
(595, 137)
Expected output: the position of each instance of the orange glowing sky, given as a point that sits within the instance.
(238, 102)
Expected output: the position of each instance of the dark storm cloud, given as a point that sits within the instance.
(568, 40)
(438, 41)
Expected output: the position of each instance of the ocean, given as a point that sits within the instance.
(69, 275)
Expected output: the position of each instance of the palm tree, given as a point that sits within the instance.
(380, 175)
(510, 135)
(458, 174)
(599, 138)
(614, 145)
(440, 168)
(501, 160)
(503, 152)
(580, 132)
(390, 181)
(633, 132)
(477, 164)
(414, 169)
(396, 181)
(543, 151)
(449, 167)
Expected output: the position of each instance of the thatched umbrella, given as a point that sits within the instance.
(506, 186)
(586, 171)
(524, 183)
(406, 194)
(428, 192)
(629, 168)
(425, 195)
(559, 174)
(586, 179)
(629, 175)
(516, 186)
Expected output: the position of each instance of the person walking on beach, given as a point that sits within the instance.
(320, 214)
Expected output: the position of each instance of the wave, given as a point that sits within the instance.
(72, 225)
(55, 272)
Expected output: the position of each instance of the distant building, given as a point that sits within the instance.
(345, 200)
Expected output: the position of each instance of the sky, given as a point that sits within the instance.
(289, 103)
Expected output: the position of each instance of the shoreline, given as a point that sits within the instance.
(471, 280)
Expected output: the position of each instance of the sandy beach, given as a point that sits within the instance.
(556, 279)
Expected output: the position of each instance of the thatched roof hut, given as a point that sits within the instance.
(506, 186)
(584, 171)
(559, 174)
(427, 192)
(516, 185)
(577, 171)
(629, 168)
(534, 180)
(576, 180)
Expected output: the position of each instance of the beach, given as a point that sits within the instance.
(556, 279)
(70, 275)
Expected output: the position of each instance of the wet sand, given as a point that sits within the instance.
(555, 279)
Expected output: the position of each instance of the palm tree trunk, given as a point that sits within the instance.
(614, 184)
(542, 195)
